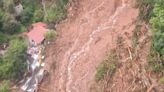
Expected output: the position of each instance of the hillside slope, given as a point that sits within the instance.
(84, 38)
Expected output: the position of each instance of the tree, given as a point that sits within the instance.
(14, 61)
(157, 22)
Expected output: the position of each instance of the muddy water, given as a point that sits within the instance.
(86, 47)
(84, 39)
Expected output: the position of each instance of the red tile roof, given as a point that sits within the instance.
(37, 32)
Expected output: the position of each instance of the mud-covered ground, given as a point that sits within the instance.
(84, 38)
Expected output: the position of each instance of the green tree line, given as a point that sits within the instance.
(50, 11)
(13, 62)
(152, 11)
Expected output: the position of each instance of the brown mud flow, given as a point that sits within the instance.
(84, 39)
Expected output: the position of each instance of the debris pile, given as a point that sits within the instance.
(35, 63)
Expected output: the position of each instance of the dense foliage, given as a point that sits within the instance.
(13, 63)
(157, 22)
(33, 11)
(50, 34)
(108, 66)
(15, 20)
(153, 12)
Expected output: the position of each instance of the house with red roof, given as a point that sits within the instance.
(36, 33)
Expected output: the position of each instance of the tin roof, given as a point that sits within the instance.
(37, 32)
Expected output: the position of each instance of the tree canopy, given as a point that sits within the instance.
(13, 63)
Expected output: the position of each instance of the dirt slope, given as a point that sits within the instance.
(84, 39)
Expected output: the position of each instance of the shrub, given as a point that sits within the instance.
(107, 67)
(50, 34)
(152, 11)
(55, 11)
(157, 22)
(3, 38)
(13, 63)
(4, 87)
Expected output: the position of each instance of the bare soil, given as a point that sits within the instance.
(84, 38)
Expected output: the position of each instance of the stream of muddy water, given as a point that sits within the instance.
(109, 24)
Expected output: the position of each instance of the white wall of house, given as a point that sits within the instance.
(18, 9)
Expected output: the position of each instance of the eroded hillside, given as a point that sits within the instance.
(92, 29)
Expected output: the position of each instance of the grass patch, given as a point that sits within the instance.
(107, 67)
(55, 11)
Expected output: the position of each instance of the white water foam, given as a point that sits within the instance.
(72, 57)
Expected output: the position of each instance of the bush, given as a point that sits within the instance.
(13, 63)
(107, 67)
(3, 38)
(4, 87)
(152, 11)
(157, 22)
(50, 34)
(55, 11)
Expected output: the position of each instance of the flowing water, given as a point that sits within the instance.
(73, 56)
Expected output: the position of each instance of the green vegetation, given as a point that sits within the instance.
(157, 22)
(14, 21)
(152, 11)
(55, 11)
(3, 38)
(33, 11)
(4, 87)
(50, 34)
(13, 63)
(107, 67)
(47, 11)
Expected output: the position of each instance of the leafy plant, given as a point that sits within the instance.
(3, 38)
(13, 63)
(107, 67)
(50, 34)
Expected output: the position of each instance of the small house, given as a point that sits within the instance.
(36, 33)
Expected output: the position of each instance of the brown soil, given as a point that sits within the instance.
(84, 38)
